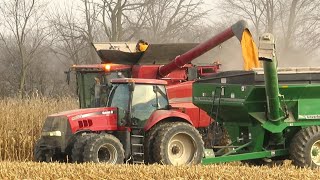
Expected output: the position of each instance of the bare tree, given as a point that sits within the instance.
(114, 14)
(262, 14)
(90, 12)
(69, 39)
(22, 22)
(295, 23)
(250, 10)
(167, 19)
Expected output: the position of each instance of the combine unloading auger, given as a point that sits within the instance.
(179, 54)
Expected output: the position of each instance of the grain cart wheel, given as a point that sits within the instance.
(178, 144)
(305, 147)
(104, 148)
(78, 147)
(149, 141)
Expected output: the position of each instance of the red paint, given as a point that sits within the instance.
(145, 71)
(101, 67)
(139, 81)
(163, 114)
(195, 52)
(93, 119)
(198, 117)
(179, 88)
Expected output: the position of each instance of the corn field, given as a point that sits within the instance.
(31, 170)
(21, 124)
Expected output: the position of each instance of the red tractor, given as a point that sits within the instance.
(138, 120)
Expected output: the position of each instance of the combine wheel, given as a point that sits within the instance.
(104, 148)
(149, 141)
(78, 147)
(305, 147)
(179, 144)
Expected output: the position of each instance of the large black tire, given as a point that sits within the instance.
(178, 144)
(38, 154)
(45, 155)
(149, 142)
(78, 147)
(305, 147)
(104, 148)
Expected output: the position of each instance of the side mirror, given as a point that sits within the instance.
(68, 76)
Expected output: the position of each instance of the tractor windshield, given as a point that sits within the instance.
(146, 98)
(119, 96)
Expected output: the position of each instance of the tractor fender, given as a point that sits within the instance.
(161, 115)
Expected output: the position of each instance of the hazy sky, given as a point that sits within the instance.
(209, 4)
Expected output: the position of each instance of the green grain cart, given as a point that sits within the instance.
(267, 115)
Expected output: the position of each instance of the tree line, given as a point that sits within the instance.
(39, 40)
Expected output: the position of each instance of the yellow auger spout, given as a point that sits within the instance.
(249, 51)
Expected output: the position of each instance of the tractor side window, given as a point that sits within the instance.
(161, 97)
(143, 102)
(146, 99)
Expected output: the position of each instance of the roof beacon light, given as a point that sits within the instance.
(107, 67)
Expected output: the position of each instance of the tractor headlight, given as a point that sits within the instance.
(51, 133)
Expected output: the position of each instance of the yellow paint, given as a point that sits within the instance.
(143, 47)
(249, 51)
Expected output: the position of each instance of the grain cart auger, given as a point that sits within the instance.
(137, 123)
(265, 120)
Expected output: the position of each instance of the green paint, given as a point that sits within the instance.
(261, 120)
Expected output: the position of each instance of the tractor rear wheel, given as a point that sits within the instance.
(104, 148)
(178, 144)
(149, 141)
(305, 147)
(78, 147)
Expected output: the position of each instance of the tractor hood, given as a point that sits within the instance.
(91, 119)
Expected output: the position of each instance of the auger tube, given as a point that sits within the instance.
(267, 55)
(235, 30)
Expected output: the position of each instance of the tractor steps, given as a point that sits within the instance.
(137, 145)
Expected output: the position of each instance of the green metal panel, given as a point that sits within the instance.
(245, 156)
(308, 109)
(242, 109)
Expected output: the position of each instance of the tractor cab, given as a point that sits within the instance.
(137, 99)
(93, 82)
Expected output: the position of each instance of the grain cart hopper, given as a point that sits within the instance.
(137, 124)
(265, 120)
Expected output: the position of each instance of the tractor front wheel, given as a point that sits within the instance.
(39, 154)
(178, 144)
(305, 147)
(104, 148)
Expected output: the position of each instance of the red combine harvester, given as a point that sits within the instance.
(144, 119)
